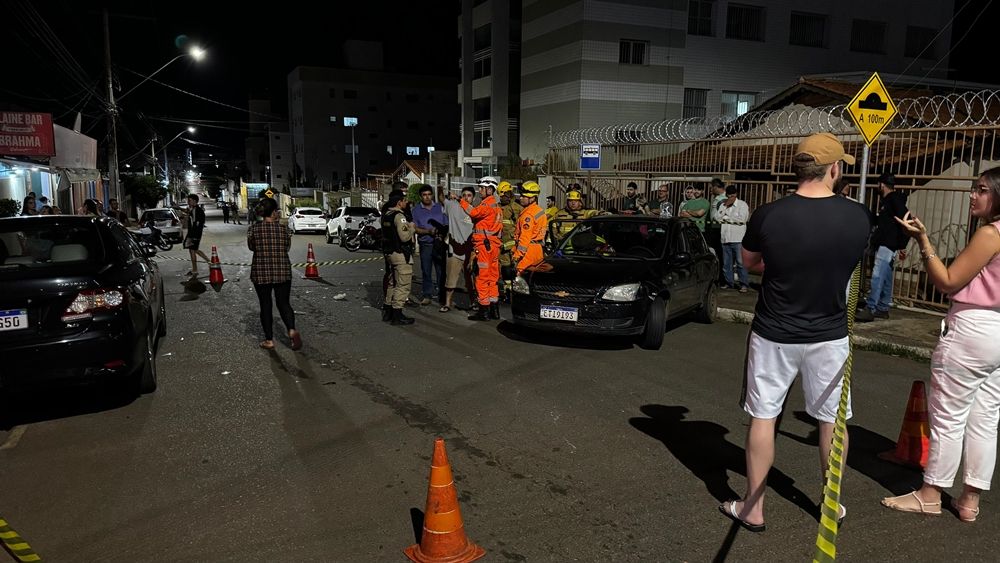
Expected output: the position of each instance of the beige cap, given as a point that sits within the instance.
(824, 148)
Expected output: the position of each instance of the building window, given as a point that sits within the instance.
(735, 104)
(412, 98)
(388, 149)
(920, 42)
(277, 137)
(412, 125)
(333, 119)
(745, 22)
(333, 93)
(412, 151)
(695, 102)
(373, 162)
(700, 17)
(868, 36)
(482, 67)
(350, 94)
(633, 52)
(482, 139)
(481, 37)
(277, 157)
(481, 109)
(278, 176)
(808, 30)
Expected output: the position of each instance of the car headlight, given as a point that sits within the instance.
(626, 292)
(520, 285)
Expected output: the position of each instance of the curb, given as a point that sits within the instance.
(860, 342)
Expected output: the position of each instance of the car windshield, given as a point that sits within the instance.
(628, 239)
(157, 215)
(26, 244)
(361, 211)
(309, 211)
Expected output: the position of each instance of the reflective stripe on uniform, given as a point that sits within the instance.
(522, 248)
(536, 242)
(539, 215)
(483, 264)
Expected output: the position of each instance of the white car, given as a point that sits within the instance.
(307, 219)
(345, 220)
(165, 219)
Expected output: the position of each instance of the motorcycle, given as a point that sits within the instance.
(368, 236)
(152, 236)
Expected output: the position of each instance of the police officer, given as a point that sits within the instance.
(397, 245)
(572, 214)
(509, 212)
(532, 225)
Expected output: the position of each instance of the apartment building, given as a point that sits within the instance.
(592, 63)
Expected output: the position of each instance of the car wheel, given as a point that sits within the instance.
(145, 378)
(709, 310)
(340, 237)
(329, 237)
(656, 325)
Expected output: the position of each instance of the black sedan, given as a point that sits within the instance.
(80, 301)
(620, 275)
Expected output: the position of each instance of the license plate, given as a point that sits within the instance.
(14, 319)
(558, 313)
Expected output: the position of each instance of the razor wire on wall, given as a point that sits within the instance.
(964, 109)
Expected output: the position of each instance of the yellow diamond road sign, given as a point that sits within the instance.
(269, 193)
(872, 109)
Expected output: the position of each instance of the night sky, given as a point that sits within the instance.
(251, 51)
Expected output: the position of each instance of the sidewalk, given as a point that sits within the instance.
(904, 333)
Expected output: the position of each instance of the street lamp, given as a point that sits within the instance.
(196, 53)
(352, 122)
(166, 161)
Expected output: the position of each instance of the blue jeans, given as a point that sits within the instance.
(427, 264)
(731, 253)
(880, 296)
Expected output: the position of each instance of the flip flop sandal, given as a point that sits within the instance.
(729, 509)
(444, 309)
(921, 508)
(267, 346)
(296, 340)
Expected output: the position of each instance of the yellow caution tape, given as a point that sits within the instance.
(826, 538)
(295, 265)
(15, 544)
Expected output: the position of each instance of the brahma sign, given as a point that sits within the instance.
(26, 134)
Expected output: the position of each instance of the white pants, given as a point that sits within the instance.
(964, 404)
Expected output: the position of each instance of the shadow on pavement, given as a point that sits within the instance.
(863, 451)
(417, 519)
(575, 340)
(38, 405)
(703, 448)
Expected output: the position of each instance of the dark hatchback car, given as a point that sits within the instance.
(620, 275)
(80, 301)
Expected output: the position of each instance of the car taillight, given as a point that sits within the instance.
(91, 300)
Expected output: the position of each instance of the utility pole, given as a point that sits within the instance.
(112, 115)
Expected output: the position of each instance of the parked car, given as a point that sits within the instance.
(620, 275)
(80, 301)
(345, 220)
(164, 219)
(307, 219)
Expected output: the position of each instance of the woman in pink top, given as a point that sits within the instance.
(965, 368)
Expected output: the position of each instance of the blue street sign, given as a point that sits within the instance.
(590, 156)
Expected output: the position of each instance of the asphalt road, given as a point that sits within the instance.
(563, 449)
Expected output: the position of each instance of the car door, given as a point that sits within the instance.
(680, 268)
(705, 269)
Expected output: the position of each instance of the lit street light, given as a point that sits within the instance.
(195, 53)
(352, 122)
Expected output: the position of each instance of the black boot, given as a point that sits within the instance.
(386, 313)
(482, 313)
(398, 318)
(495, 311)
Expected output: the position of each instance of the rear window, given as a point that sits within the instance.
(159, 215)
(309, 212)
(361, 211)
(40, 245)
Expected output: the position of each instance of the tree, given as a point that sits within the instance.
(146, 191)
(9, 208)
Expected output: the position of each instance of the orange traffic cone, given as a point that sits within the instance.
(443, 539)
(215, 278)
(914, 437)
(312, 272)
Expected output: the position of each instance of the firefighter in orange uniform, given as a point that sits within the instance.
(531, 227)
(486, 241)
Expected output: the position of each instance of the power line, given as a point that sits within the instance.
(931, 42)
(200, 97)
(956, 43)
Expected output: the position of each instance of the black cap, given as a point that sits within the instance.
(887, 178)
(717, 183)
(730, 190)
(632, 185)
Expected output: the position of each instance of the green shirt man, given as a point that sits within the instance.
(694, 207)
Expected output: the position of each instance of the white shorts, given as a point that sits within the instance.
(772, 368)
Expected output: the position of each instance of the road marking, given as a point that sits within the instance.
(15, 544)
(14, 438)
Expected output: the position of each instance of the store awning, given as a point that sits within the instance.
(74, 175)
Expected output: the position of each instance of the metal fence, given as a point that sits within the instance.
(936, 147)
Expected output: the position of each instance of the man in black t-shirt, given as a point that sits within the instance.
(890, 241)
(810, 242)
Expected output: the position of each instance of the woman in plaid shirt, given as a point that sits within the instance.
(270, 270)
